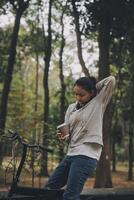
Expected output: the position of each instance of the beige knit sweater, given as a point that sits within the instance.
(86, 123)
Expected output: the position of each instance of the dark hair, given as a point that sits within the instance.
(87, 83)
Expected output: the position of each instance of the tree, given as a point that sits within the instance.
(35, 49)
(78, 36)
(19, 7)
(47, 52)
(62, 81)
(4, 42)
(104, 71)
(122, 57)
(3, 6)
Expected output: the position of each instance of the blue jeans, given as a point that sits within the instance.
(73, 171)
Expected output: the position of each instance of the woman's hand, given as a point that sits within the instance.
(59, 134)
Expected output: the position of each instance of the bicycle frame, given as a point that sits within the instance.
(30, 192)
(16, 179)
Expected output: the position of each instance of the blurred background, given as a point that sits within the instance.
(45, 45)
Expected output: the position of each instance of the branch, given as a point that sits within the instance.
(78, 37)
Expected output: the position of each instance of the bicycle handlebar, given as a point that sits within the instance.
(15, 136)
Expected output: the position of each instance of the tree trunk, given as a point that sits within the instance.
(113, 154)
(9, 72)
(118, 97)
(63, 86)
(78, 36)
(114, 141)
(8, 76)
(36, 84)
(131, 129)
(44, 169)
(130, 161)
(103, 173)
(34, 133)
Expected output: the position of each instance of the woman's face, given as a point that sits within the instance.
(81, 95)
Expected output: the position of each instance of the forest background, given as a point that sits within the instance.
(45, 45)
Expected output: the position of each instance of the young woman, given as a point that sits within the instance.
(85, 120)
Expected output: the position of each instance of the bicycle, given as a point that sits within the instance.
(21, 192)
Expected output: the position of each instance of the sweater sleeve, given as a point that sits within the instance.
(66, 120)
(105, 89)
(67, 114)
(71, 108)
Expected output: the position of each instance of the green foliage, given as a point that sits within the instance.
(3, 5)
(117, 13)
(19, 107)
(4, 44)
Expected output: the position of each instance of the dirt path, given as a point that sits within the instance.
(119, 180)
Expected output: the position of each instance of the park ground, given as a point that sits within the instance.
(119, 179)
